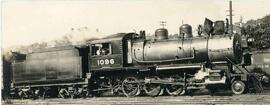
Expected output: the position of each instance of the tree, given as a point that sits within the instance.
(259, 30)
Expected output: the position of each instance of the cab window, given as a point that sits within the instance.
(101, 49)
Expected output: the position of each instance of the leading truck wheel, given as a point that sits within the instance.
(238, 87)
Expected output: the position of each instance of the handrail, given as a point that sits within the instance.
(243, 71)
(172, 60)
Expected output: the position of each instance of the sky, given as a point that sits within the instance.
(28, 21)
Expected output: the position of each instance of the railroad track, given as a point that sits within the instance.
(200, 98)
(255, 99)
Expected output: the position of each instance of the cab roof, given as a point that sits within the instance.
(115, 37)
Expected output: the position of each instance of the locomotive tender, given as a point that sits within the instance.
(129, 64)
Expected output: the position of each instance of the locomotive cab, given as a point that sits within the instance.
(111, 53)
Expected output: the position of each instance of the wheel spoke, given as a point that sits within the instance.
(131, 87)
(152, 89)
(173, 89)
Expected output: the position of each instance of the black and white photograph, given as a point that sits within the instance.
(135, 52)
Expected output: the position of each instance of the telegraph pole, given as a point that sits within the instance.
(163, 24)
(182, 22)
(231, 15)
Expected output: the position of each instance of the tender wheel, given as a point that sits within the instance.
(39, 93)
(63, 93)
(23, 94)
(26, 93)
(152, 89)
(83, 93)
(175, 90)
(131, 87)
(238, 87)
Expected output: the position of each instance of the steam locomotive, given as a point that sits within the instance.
(130, 64)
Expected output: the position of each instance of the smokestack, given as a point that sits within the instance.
(231, 23)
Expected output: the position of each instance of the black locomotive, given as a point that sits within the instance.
(129, 64)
